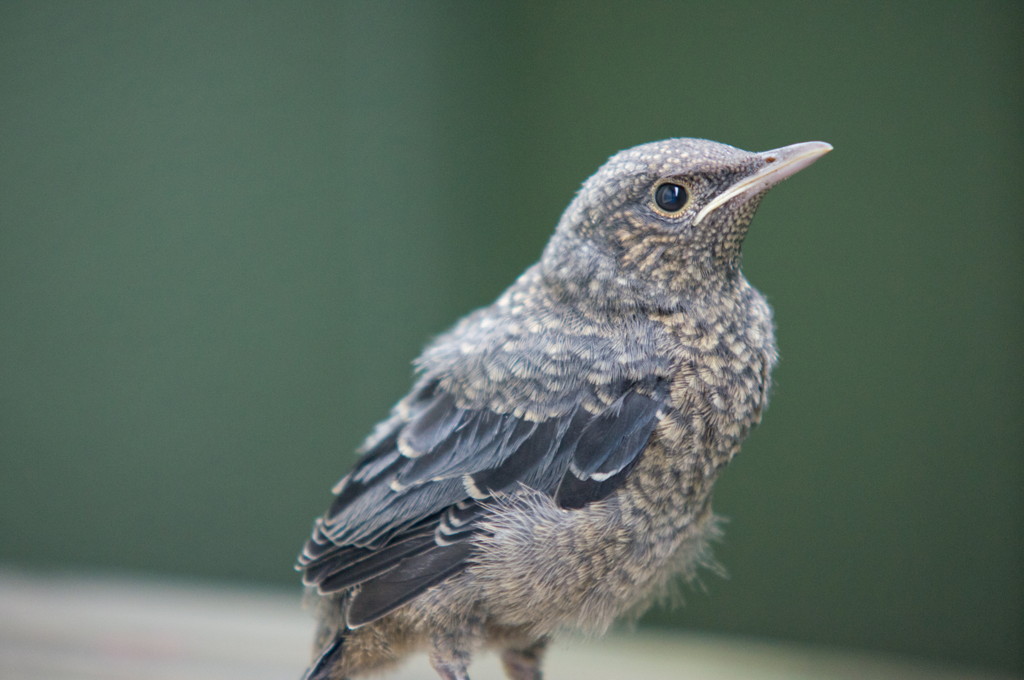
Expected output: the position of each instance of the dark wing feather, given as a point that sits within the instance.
(402, 517)
(436, 422)
(608, 446)
(375, 563)
(396, 587)
(479, 432)
(546, 444)
(612, 438)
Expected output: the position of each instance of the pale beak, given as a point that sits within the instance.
(780, 164)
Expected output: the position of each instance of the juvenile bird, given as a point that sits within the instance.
(552, 466)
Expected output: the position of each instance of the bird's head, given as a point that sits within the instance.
(660, 222)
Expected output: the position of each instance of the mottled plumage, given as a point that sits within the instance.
(552, 466)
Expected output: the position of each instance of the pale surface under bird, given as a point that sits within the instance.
(552, 466)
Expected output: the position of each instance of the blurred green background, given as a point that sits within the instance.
(226, 228)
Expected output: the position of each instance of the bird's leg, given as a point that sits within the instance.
(523, 663)
(449, 669)
(450, 664)
(451, 655)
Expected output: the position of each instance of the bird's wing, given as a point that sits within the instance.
(402, 517)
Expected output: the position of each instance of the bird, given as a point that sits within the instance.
(551, 468)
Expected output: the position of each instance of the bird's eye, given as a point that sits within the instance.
(670, 197)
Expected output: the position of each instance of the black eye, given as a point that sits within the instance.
(670, 197)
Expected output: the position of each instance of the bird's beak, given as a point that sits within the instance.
(779, 164)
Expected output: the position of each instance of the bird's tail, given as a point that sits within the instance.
(331, 655)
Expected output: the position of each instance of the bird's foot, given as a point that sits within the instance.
(450, 657)
(524, 663)
(450, 669)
